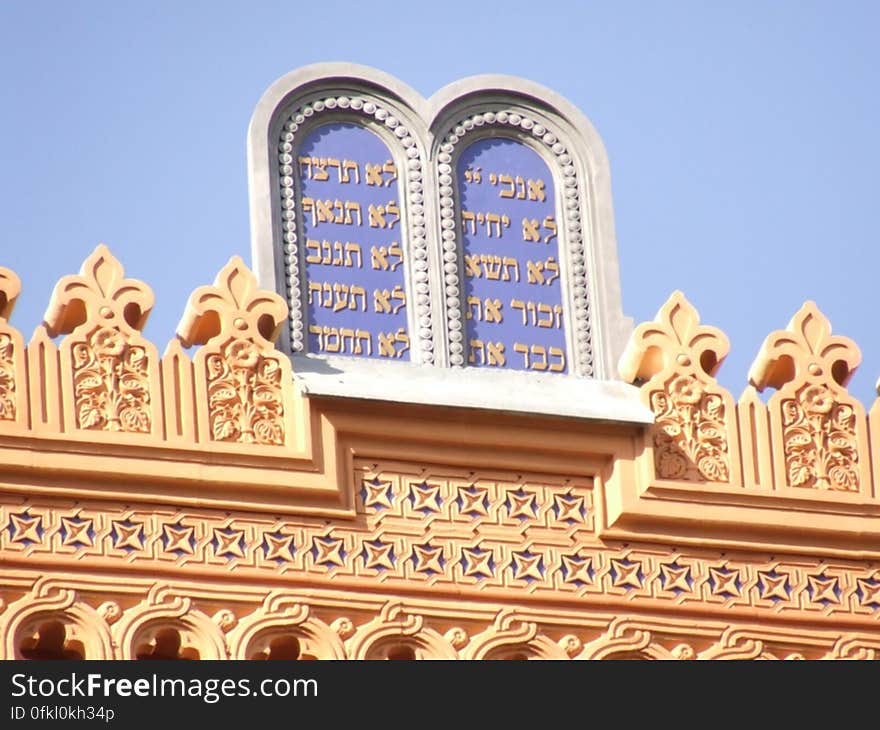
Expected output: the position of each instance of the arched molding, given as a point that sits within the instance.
(285, 617)
(83, 625)
(165, 610)
(395, 627)
(291, 108)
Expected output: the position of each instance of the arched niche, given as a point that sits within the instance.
(577, 221)
(515, 307)
(171, 629)
(295, 637)
(329, 134)
(351, 244)
(55, 625)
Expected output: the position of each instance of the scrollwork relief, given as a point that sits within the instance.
(674, 359)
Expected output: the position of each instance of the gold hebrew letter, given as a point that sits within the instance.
(475, 346)
(355, 292)
(472, 266)
(507, 263)
(492, 310)
(353, 248)
(346, 166)
(478, 304)
(495, 354)
(530, 230)
(390, 169)
(318, 171)
(373, 173)
(536, 190)
(550, 225)
(312, 244)
(507, 180)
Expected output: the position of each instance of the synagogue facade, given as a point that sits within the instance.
(418, 425)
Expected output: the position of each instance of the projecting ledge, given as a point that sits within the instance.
(511, 391)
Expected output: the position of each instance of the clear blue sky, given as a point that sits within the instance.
(743, 139)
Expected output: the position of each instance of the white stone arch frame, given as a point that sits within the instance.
(590, 390)
(502, 106)
(488, 125)
(297, 104)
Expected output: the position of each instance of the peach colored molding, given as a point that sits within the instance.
(284, 615)
(442, 626)
(694, 436)
(511, 637)
(110, 374)
(801, 467)
(818, 430)
(396, 626)
(242, 385)
(13, 373)
(163, 608)
(50, 601)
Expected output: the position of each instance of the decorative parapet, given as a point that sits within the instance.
(109, 373)
(675, 359)
(804, 453)
(243, 381)
(229, 426)
(818, 430)
(232, 404)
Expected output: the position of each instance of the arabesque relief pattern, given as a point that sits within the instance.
(93, 619)
(238, 323)
(10, 347)
(811, 433)
(109, 363)
(109, 377)
(420, 531)
(678, 358)
(819, 422)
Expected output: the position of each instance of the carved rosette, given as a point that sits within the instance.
(112, 368)
(244, 395)
(674, 358)
(690, 431)
(111, 383)
(239, 374)
(819, 438)
(819, 426)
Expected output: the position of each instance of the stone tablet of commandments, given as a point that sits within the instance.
(446, 250)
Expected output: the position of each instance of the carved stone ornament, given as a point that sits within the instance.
(817, 427)
(674, 358)
(114, 370)
(11, 349)
(244, 378)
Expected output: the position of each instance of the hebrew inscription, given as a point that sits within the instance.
(513, 297)
(355, 289)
